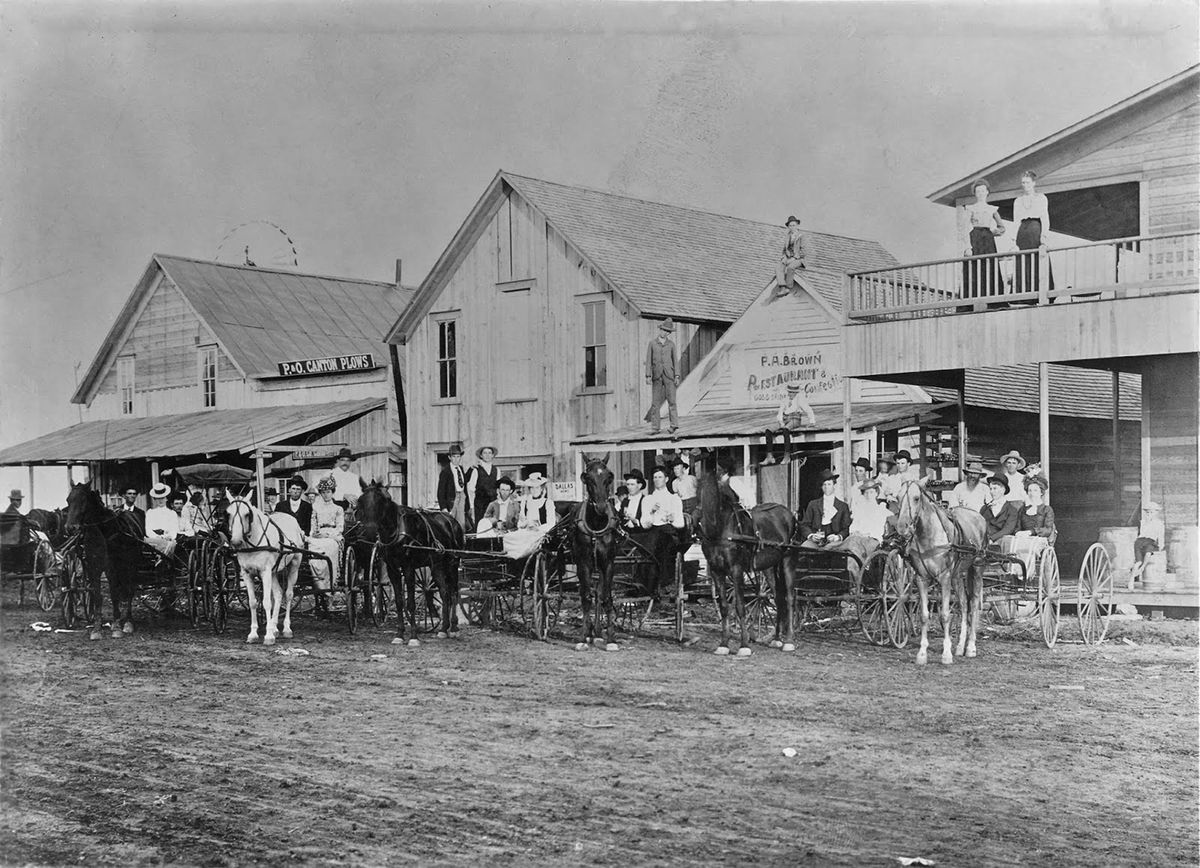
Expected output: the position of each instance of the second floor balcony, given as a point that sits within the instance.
(1120, 268)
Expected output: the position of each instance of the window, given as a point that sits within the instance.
(207, 363)
(447, 359)
(595, 347)
(513, 342)
(125, 384)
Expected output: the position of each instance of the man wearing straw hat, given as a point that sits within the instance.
(482, 480)
(793, 413)
(162, 522)
(969, 493)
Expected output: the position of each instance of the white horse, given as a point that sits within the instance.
(267, 547)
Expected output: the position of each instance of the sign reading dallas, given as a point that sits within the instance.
(331, 365)
(760, 376)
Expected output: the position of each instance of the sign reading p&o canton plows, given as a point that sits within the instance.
(331, 365)
(760, 377)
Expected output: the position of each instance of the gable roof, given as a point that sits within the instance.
(263, 316)
(665, 260)
(1090, 134)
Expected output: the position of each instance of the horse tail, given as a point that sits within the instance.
(709, 494)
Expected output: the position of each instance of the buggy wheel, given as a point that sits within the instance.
(761, 609)
(1095, 594)
(195, 585)
(73, 586)
(896, 591)
(380, 588)
(219, 587)
(869, 602)
(46, 576)
(354, 590)
(429, 600)
(1049, 598)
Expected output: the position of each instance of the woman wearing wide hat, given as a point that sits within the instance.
(482, 480)
(826, 520)
(536, 518)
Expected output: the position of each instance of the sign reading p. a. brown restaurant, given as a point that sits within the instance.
(331, 365)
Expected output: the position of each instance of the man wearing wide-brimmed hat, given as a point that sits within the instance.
(861, 468)
(971, 493)
(793, 414)
(1012, 465)
(792, 258)
(482, 480)
(826, 520)
(162, 522)
(349, 488)
(295, 505)
(15, 499)
(662, 373)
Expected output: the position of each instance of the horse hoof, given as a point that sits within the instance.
(95, 635)
(789, 647)
(397, 641)
(922, 659)
(269, 639)
(442, 634)
(744, 652)
(972, 652)
(947, 660)
(721, 651)
(612, 646)
(117, 634)
(128, 628)
(775, 643)
(287, 634)
(581, 646)
(414, 643)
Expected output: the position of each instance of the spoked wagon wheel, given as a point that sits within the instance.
(354, 583)
(195, 585)
(220, 588)
(898, 593)
(46, 575)
(1095, 594)
(869, 601)
(77, 602)
(1049, 596)
(541, 597)
(429, 601)
(379, 588)
(761, 610)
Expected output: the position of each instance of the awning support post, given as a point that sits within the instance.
(153, 473)
(31, 486)
(1044, 419)
(258, 478)
(847, 476)
(1116, 439)
(962, 431)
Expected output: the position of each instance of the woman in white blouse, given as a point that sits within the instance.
(981, 277)
(325, 534)
(1031, 213)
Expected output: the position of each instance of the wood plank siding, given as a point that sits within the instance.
(369, 436)
(1170, 390)
(517, 298)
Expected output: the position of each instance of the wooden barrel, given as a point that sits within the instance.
(1118, 542)
(1182, 553)
(1154, 577)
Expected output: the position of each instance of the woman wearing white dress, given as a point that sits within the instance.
(1031, 213)
(536, 519)
(325, 533)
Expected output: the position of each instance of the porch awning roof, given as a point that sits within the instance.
(752, 423)
(203, 433)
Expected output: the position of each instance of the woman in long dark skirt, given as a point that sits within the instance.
(981, 277)
(1031, 213)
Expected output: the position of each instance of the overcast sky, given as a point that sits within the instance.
(368, 131)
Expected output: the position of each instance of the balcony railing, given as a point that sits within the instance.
(1144, 265)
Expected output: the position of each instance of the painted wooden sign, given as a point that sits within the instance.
(331, 365)
(759, 377)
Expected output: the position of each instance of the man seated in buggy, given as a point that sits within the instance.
(826, 520)
(502, 513)
(663, 531)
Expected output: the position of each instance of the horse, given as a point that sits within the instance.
(110, 543)
(51, 522)
(267, 547)
(411, 539)
(594, 535)
(944, 546)
(737, 541)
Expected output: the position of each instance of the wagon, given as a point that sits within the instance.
(27, 556)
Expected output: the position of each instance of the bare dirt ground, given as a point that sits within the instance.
(177, 746)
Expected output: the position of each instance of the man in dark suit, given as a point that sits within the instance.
(662, 373)
(131, 494)
(295, 505)
(452, 485)
(1001, 514)
(826, 520)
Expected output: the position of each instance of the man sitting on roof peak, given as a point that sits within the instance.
(792, 258)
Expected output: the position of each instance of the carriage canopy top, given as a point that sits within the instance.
(211, 474)
(185, 434)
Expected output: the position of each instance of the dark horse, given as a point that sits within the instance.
(411, 539)
(111, 544)
(593, 537)
(737, 541)
(944, 546)
(51, 522)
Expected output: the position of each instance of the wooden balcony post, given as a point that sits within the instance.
(1043, 256)
(1044, 419)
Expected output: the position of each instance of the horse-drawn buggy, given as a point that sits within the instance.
(26, 555)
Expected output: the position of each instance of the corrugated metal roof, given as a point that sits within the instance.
(183, 434)
(1073, 391)
(263, 317)
(674, 261)
(753, 423)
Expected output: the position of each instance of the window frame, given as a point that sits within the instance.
(202, 354)
(126, 383)
(437, 321)
(591, 303)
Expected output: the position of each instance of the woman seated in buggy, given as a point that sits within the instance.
(162, 522)
(325, 534)
(536, 518)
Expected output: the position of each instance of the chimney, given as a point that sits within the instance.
(399, 262)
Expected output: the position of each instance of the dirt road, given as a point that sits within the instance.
(175, 746)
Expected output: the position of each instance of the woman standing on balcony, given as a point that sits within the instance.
(981, 277)
(1031, 213)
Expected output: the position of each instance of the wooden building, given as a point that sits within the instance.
(531, 329)
(216, 362)
(1124, 300)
